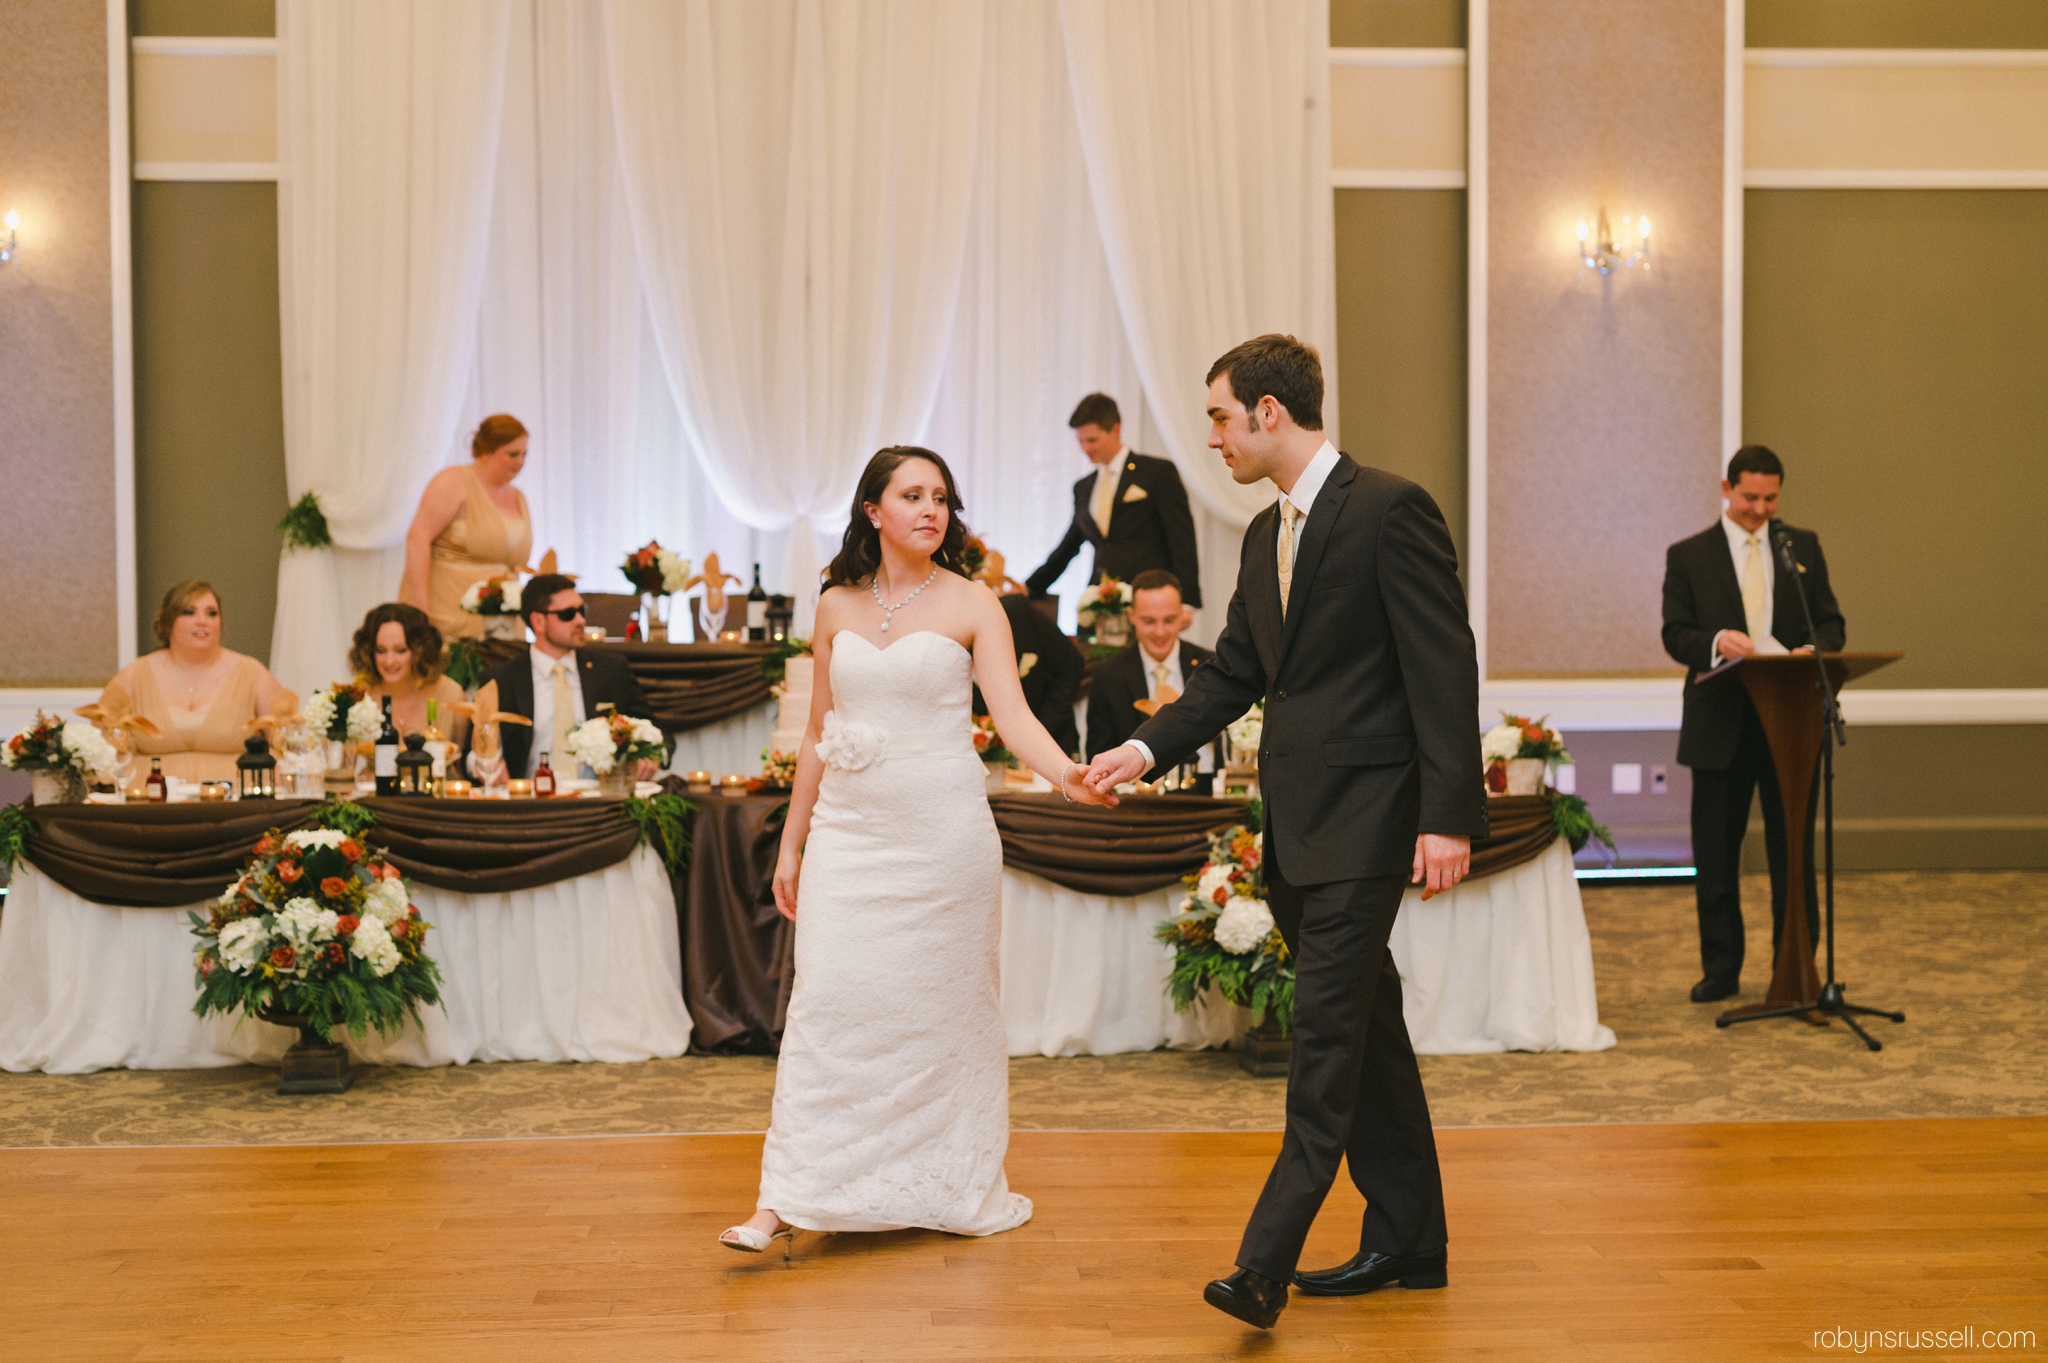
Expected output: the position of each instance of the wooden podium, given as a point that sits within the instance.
(1784, 687)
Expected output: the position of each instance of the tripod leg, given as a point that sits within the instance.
(1874, 1012)
(1868, 1040)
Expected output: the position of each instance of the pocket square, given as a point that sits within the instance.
(1134, 493)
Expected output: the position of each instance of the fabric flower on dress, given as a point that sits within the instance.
(849, 744)
(1243, 924)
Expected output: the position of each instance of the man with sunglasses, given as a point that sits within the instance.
(556, 685)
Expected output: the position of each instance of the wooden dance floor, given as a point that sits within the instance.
(1606, 1242)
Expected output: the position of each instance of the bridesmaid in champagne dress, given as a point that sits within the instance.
(471, 524)
(199, 695)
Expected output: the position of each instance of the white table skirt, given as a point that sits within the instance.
(731, 745)
(1501, 963)
(584, 969)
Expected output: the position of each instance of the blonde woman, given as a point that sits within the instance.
(471, 524)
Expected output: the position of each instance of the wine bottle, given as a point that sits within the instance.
(159, 789)
(437, 744)
(543, 780)
(757, 610)
(386, 754)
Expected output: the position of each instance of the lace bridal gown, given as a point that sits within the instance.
(892, 1096)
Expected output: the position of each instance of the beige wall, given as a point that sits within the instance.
(1897, 23)
(1604, 394)
(57, 347)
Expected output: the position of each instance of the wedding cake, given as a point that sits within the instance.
(794, 710)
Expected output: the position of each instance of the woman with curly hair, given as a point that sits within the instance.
(397, 653)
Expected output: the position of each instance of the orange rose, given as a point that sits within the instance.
(265, 845)
(347, 924)
(284, 958)
(351, 849)
(1222, 895)
(334, 887)
(386, 871)
(288, 872)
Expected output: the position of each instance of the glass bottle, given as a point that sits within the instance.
(159, 790)
(757, 610)
(543, 779)
(385, 754)
(436, 744)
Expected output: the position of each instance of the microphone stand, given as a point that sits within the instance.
(1833, 1002)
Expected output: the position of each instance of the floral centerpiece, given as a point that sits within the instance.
(651, 568)
(319, 927)
(611, 745)
(1517, 751)
(1108, 599)
(344, 715)
(493, 595)
(778, 768)
(989, 745)
(1224, 937)
(973, 556)
(62, 756)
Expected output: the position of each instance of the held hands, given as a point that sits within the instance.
(1441, 861)
(1112, 769)
(1076, 785)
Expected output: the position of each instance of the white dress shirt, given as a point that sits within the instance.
(1303, 496)
(1738, 551)
(544, 704)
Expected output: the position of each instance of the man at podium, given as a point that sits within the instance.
(1725, 599)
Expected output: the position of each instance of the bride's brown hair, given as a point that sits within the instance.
(860, 553)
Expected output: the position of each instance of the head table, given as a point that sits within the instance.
(561, 937)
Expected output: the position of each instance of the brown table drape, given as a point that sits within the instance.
(1144, 843)
(163, 856)
(691, 685)
(738, 949)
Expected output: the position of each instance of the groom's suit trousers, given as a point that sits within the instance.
(1354, 1092)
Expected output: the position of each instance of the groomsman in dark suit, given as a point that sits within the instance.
(1133, 509)
(1349, 622)
(1048, 665)
(1157, 660)
(556, 684)
(1726, 598)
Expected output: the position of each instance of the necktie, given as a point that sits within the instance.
(565, 709)
(1755, 598)
(1288, 516)
(1158, 680)
(1104, 501)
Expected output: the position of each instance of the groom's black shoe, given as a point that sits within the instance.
(1370, 1269)
(1711, 990)
(1251, 1297)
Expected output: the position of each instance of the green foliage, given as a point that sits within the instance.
(1255, 816)
(775, 664)
(355, 1000)
(1261, 979)
(344, 816)
(664, 822)
(14, 826)
(305, 525)
(1576, 824)
(466, 664)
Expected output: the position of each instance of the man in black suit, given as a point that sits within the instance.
(1349, 622)
(1133, 509)
(1726, 598)
(1048, 665)
(557, 685)
(1157, 660)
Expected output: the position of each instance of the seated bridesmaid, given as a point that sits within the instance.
(199, 695)
(397, 653)
(471, 524)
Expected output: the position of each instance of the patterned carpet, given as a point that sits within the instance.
(1961, 954)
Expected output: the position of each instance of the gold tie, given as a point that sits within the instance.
(1754, 594)
(1288, 516)
(565, 709)
(1158, 680)
(1104, 501)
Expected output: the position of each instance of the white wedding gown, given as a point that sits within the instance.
(892, 1094)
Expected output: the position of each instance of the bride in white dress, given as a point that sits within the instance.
(892, 1093)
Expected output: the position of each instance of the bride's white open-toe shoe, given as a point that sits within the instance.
(747, 1240)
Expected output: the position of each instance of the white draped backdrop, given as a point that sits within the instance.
(715, 255)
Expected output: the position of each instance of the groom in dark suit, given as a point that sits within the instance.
(1349, 623)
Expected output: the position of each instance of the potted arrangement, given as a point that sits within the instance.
(778, 768)
(1518, 751)
(496, 599)
(655, 573)
(62, 757)
(1107, 607)
(317, 932)
(1224, 938)
(611, 745)
(996, 758)
(344, 715)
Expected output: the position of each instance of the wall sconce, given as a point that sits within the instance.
(1597, 250)
(8, 248)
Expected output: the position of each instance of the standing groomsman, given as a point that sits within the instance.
(1724, 599)
(1133, 509)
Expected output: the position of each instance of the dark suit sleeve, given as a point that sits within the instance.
(1222, 689)
(1425, 606)
(1061, 662)
(1828, 626)
(1056, 563)
(1178, 524)
(1685, 638)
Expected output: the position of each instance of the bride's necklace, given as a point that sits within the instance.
(889, 611)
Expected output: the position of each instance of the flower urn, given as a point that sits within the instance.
(1525, 775)
(58, 786)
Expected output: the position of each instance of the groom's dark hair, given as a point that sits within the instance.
(1279, 366)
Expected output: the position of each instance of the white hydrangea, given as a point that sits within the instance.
(645, 731)
(675, 571)
(316, 837)
(386, 902)
(373, 945)
(319, 712)
(1214, 878)
(1243, 924)
(89, 750)
(243, 943)
(1247, 729)
(848, 744)
(591, 744)
(304, 923)
(1501, 743)
(365, 721)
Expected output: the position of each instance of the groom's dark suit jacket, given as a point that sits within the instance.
(1371, 682)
